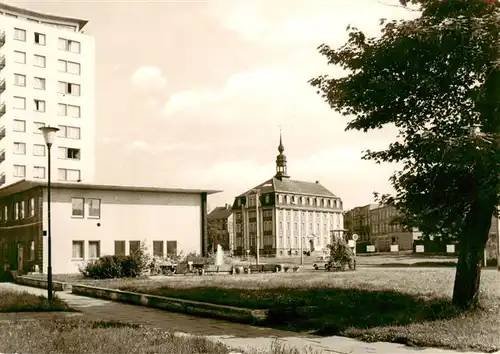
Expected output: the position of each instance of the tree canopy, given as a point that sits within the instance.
(436, 78)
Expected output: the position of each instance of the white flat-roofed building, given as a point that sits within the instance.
(47, 77)
(89, 221)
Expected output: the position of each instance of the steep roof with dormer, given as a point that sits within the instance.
(292, 187)
(222, 212)
(281, 182)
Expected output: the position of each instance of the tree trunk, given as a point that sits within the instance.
(472, 243)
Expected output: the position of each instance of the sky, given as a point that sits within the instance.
(193, 94)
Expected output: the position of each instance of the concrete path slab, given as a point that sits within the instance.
(235, 335)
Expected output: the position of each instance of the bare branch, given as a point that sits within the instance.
(400, 6)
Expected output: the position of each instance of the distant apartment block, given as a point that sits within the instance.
(357, 221)
(386, 232)
(376, 225)
(220, 229)
(47, 78)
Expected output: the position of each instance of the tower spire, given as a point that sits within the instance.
(281, 161)
(281, 148)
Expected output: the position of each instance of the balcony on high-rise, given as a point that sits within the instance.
(2, 38)
(2, 85)
(2, 62)
(2, 156)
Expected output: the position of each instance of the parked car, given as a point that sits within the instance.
(321, 262)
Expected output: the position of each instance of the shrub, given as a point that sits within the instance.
(192, 257)
(108, 267)
(341, 255)
(6, 277)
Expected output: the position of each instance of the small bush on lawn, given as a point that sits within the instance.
(13, 301)
(341, 255)
(6, 277)
(108, 267)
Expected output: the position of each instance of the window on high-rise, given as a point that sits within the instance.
(19, 57)
(68, 110)
(20, 80)
(19, 148)
(39, 61)
(69, 88)
(20, 34)
(19, 125)
(19, 171)
(69, 132)
(66, 174)
(38, 172)
(39, 83)
(39, 105)
(39, 38)
(37, 126)
(38, 150)
(69, 67)
(69, 45)
(69, 153)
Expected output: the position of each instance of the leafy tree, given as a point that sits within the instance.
(437, 79)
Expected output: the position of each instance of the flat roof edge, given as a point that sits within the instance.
(24, 185)
(7, 7)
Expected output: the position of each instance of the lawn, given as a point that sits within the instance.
(80, 336)
(406, 305)
(13, 301)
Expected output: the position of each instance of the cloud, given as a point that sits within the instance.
(303, 22)
(265, 94)
(183, 146)
(139, 145)
(148, 78)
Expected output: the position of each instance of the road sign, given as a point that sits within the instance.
(355, 237)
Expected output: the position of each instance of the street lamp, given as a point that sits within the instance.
(49, 135)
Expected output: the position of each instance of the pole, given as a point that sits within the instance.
(301, 249)
(243, 248)
(257, 234)
(498, 241)
(49, 236)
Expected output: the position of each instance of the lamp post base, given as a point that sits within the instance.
(49, 283)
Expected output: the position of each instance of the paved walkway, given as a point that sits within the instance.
(235, 335)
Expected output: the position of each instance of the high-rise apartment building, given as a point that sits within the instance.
(47, 77)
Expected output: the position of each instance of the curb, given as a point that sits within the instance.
(41, 283)
(231, 313)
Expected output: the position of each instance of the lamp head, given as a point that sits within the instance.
(49, 134)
